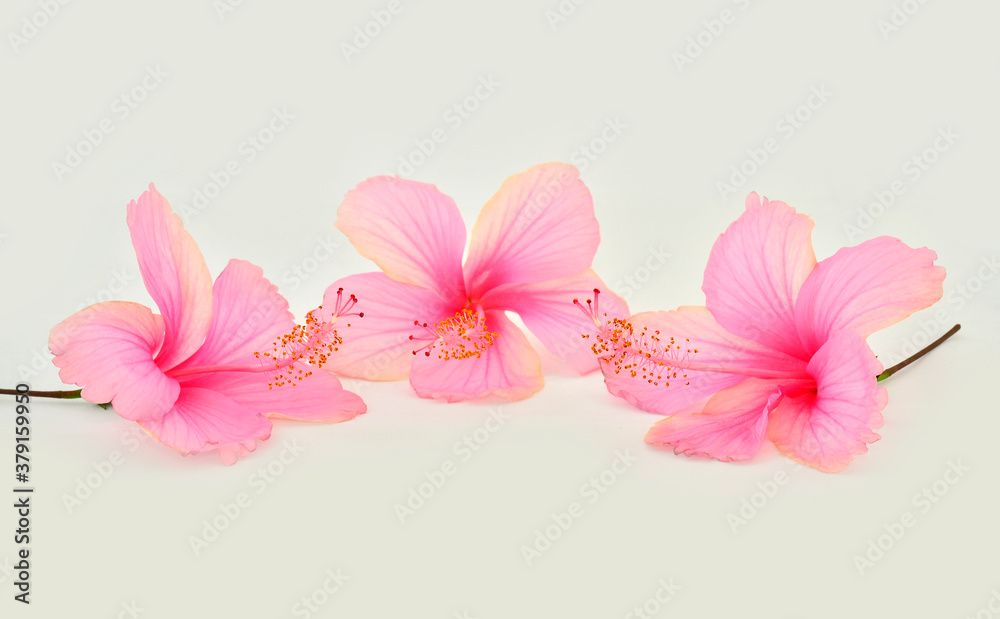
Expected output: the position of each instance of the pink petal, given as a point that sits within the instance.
(731, 427)
(108, 350)
(248, 314)
(866, 288)
(378, 346)
(539, 226)
(234, 451)
(175, 275)
(755, 271)
(828, 428)
(411, 230)
(203, 420)
(721, 361)
(319, 397)
(548, 311)
(510, 368)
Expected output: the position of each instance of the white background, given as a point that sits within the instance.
(656, 190)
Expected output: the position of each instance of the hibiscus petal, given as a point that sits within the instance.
(411, 230)
(248, 314)
(826, 429)
(202, 420)
(233, 452)
(755, 271)
(509, 368)
(866, 288)
(731, 426)
(539, 226)
(319, 397)
(721, 361)
(175, 275)
(108, 350)
(548, 311)
(378, 346)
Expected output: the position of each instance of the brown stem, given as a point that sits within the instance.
(902, 364)
(62, 395)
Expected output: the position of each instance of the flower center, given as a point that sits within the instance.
(641, 353)
(462, 336)
(307, 345)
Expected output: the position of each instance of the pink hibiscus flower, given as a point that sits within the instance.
(780, 349)
(202, 374)
(442, 323)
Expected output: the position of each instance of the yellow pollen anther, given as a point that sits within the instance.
(462, 336)
(641, 354)
(306, 346)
